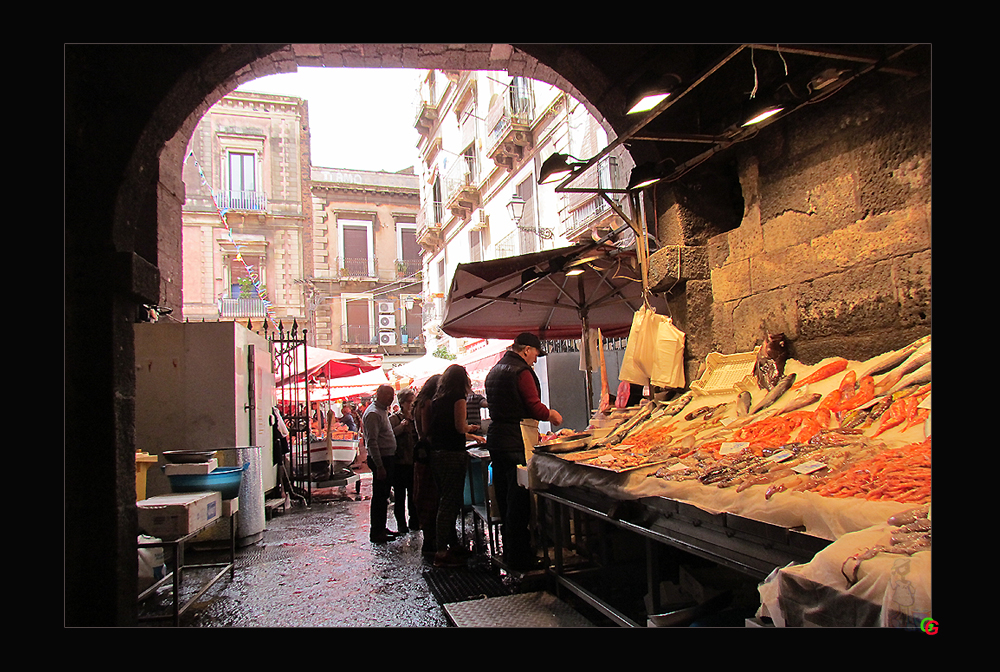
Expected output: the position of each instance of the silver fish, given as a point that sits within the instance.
(921, 376)
(804, 399)
(779, 389)
(892, 379)
(889, 362)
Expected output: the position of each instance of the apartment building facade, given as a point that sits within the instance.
(363, 291)
(269, 237)
(483, 138)
(247, 212)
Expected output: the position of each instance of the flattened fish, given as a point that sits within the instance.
(770, 364)
(782, 386)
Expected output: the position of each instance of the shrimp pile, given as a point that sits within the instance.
(899, 475)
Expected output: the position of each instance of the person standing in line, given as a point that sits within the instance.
(514, 394)
(380, 443)
(402, 482)
(424, 490)
(473, 403)
(449, 460)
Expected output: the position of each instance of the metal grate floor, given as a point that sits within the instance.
(527, 610)
(464, 583)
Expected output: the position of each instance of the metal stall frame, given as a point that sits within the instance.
(749, 547)
(293, 404)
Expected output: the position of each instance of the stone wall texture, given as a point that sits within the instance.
(834, 248)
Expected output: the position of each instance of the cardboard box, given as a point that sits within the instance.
(172, 516)
(191, 467)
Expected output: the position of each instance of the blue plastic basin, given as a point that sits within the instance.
(225, 480)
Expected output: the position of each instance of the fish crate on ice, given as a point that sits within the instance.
(726, 374)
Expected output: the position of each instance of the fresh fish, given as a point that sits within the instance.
(743, 401)
(716, 411)
(891, 380)
(677, 405)
(855, 418)
(921, 376)
(865, 393)
(804, 399)
(822, 373)
(889, 362)
(770, 364)
(782, 386)
(697, 413)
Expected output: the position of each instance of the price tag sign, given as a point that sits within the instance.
(731, 447)
(781, 456)
(808, 467)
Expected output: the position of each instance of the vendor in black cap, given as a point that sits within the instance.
(514, 396)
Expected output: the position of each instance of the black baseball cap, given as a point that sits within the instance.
(532, 340)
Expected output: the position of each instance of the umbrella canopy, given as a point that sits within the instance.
(501, 298)
(329, 363)
(348, 386)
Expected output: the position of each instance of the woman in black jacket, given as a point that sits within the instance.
(450, 430)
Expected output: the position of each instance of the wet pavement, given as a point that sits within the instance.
(315, 567)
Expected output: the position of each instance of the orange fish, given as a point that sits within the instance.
(822, 373)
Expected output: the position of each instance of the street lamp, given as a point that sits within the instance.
(516, 210)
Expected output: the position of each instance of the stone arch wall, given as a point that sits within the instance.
(130, 110)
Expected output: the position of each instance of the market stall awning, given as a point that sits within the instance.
(537, 292)
(347, 386)
(330, 364)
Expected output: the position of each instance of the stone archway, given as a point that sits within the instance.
(130, 112)
(250, 62)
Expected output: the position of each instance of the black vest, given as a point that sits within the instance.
(506, 405)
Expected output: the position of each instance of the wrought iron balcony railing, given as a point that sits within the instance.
(242, 307)
(255, 201)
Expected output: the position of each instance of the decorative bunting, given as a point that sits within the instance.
(229, 234)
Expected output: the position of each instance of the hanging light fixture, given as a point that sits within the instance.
(762, 112)
(649, 91)
(558, 166)
(643, 176)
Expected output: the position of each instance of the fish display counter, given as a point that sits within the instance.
(830, 450)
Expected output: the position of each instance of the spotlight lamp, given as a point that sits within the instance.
(558, 166)
(643, 176)
(761, 113)
(649, 91)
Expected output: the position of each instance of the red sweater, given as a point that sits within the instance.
(529, 393)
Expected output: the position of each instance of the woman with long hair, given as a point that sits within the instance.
(425, 493)
(450, 431)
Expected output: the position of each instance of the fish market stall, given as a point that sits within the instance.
(784, 473)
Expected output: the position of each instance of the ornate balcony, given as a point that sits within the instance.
(461, 191)
(253, 201)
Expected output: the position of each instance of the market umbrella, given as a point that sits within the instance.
(536, 292)
(348, 386)
(319, 362)
(501, 298)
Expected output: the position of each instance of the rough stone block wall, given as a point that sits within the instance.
(834, 248)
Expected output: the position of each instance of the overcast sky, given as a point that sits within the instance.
(358, 117)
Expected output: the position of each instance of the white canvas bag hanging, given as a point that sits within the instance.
(640, 349)
(668, 362)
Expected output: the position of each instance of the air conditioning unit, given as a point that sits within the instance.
(386, 307)
(387, 338)
(386, 321)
